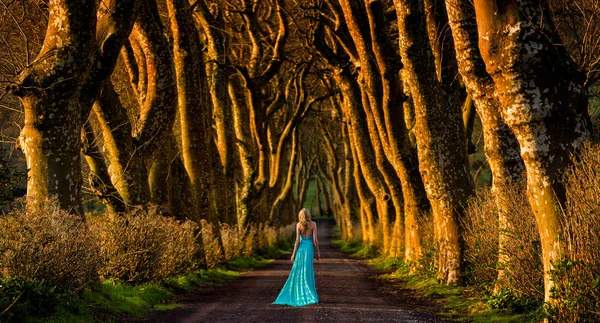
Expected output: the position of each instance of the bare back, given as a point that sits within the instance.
(307, 230)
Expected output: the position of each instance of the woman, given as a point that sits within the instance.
(299, 289)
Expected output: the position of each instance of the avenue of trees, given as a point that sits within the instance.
(225, 112)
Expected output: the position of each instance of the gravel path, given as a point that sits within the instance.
(348, 292)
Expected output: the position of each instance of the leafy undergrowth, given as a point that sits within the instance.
(112, 300)
(461, 304)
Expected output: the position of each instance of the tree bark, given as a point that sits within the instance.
(49, 90)
(126, 165)
(543, 101)
(500, 145)
(218, 72)
(99, 179)
(115, 22)
(194, 107)
(442, 162)
(364, 149)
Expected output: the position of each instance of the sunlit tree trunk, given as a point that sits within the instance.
(157, 84)
(364, 150)
(99, 179)
(49, 90)
(379, 66)
(443, 162)
(367, 200)
(194, 106)
(245, 188)
(126, 167)
(343, 211)
(500, 144)
(287, 185)
(115, 22)
(351, 204)
(543, 101)
(218, 72)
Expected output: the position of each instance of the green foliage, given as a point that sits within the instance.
(356, 249)
(508, 299)
(189, 281)
(10, 177)
(22, 297)
(575, 294)
(116, 297)
(246, 263)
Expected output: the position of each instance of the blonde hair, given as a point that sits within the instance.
(304, 217)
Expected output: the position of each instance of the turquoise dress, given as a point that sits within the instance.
(299, 289)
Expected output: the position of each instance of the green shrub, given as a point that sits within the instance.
(509, 300)
(10, 177)
(22, 297)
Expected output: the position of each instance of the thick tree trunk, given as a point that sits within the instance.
(216, 65)
(115, 22)
(49, 90)
(368, 208)
(287, 185)
(543, 101)
(351, 202)
(379, 66)
(501, 146)
(443, 162)
(157, 85)
(194, 106)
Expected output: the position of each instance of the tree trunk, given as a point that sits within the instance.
(99, 179)
(364, 149)
(287, 186)
(216, 65)
(442, 162)
(49, 90)
(543, 101)
(158, 95)
(379, 66)
(245, 188)
(126, 166)
(115, 22)
(367, 200)
(500, 144)
(194, 107)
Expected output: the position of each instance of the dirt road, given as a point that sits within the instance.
(348, 292)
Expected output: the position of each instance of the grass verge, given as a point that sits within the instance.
(460, 304)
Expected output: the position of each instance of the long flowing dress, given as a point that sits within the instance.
(300, 289)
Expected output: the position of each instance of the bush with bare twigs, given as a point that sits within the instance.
(49, 245)
(523, 270)
(144, 246)
(577, 276)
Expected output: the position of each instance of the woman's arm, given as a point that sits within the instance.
(316, 241)
(297, 241)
